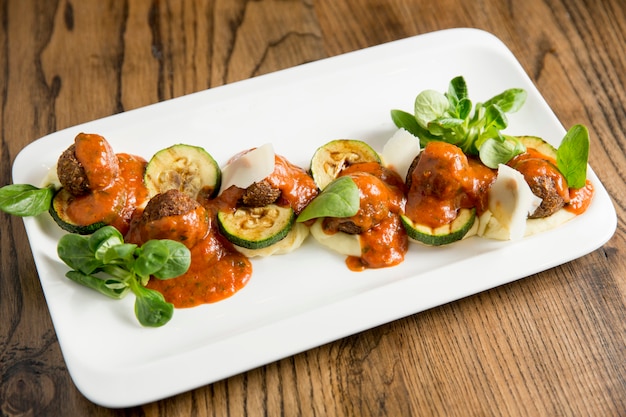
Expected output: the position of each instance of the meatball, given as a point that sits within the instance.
(409, 173)
(169, 203)
(260, 194)
(171, 215)
(342, 225)
(547, 183)
(376, 201)
(544, 187)
(71, 172)
(89, 164)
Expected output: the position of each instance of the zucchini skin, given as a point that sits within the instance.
(444, 235)
(58, 213)
(538, 144)
(231, 225)
(187, 168)
(330, 158)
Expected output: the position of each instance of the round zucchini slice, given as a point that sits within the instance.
(443, 235)
(294, 239)
(329, 159)
(539, 145)
(189, 169)
(58, 210)
(256, 227)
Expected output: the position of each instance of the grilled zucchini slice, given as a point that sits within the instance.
(189, 169)
(59, 212)
(294, 239)
(539, 145)
(256, 227)
(443, 235)
(329, 159)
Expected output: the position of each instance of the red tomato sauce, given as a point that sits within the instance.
(580, 198)
(445, 181)
(384, 241)
(116, 197)
(533, 163)
(132, 169)
(296, 186)
(217, 272)
(188, 228)
(99, 206)
(98, 160)
(382, 246)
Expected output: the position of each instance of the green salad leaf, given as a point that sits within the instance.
(25, 200)
(572, 156)
(105, 263)
(340, 198)
(151, 308)
(475, 128)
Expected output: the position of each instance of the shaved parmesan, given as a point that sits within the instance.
(251, 167)
(400, 150)
(511, 201)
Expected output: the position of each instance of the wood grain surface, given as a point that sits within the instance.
(553, 344)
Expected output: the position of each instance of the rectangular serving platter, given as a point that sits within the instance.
(302, 300)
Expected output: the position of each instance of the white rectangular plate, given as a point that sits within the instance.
(307, 298)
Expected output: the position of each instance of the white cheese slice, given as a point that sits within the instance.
(511, 201)
(400, 150)
(251, 167)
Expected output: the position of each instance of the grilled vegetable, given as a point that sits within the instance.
(443, 235)
(256, 227)
(329, 159)
(539, 145)
(186, 168)
(92, 220)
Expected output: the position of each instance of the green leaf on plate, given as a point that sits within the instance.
(25, 200)
(340, 198)
(572, 156)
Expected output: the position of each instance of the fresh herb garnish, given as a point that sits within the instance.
(340, 198)
(572, 156)
(25, 200)
(105, 263)
(476, 129)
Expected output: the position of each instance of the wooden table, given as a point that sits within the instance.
(551, 344)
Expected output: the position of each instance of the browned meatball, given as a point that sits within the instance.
(375, 203)
(169, 203)
(342, 225)
(170, 215)
(260, 194)
(71, 172)
(89, 164)
(547, 183)
(544, 187)
(409, 173)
